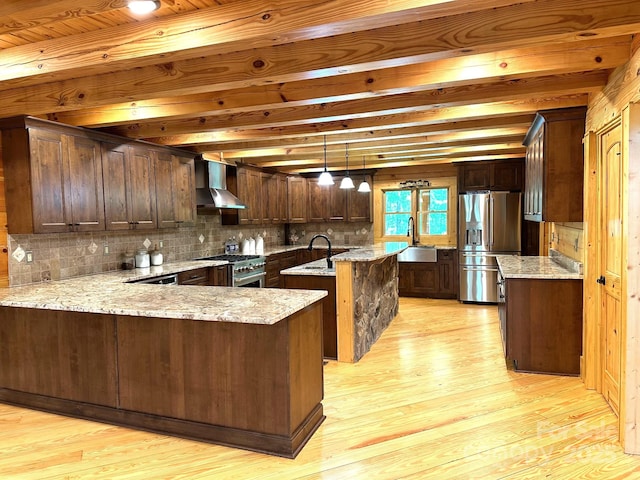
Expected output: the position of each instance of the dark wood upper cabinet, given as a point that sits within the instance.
(333, 204)
(69, 179)
(554, 166)
(497, 175)
(130, 195)
(297, 210)
(175, 189)
(359, 206)
(54, 182)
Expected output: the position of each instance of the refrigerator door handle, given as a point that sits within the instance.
(491, 205)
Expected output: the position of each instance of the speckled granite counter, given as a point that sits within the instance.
(513, 266)
(370, 253)
(109, 293)
(317, 268)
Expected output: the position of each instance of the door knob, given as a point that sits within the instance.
(601, 280)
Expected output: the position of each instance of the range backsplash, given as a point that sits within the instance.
(67, 255)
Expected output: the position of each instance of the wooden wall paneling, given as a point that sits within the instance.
(568, 239)
(630, 395)
(4, 238)
(344, 306)
(591, 358)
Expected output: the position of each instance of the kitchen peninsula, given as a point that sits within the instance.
(235, 366)
(365, 283)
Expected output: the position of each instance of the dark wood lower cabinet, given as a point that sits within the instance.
(429, 279)
(329, 323)
(257, 387)
(542, 324)
(217, 276)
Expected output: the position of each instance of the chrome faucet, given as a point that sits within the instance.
(310, 247)
(411, 230)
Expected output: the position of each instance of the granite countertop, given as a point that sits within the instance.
(513, 266)
(109, 293)
(371, 252)
(317, 268)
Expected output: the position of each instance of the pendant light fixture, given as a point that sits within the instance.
(325, 178)
(346, 181)
(142, 7)
(364, 187)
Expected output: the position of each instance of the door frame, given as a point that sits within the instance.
(629, 419)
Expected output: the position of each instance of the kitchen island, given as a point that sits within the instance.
(366, 294)
(235, 366)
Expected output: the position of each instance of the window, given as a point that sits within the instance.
(430, 206)
(433, 211)
(397, 210)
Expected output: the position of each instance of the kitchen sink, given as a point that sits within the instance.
(419, 253)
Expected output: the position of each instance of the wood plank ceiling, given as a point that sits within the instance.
(405, 82)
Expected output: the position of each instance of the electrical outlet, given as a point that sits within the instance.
(106, 250)
(29, 256)
(161, 244)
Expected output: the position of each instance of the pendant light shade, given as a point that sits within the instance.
(364, 187)
(325, 178)
(142, 7)
(346, 181)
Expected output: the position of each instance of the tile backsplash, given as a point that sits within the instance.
(67, 255)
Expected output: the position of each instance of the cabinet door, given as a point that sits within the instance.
(276, 198)
(317, 201)
(250, 192)
(51, 196)
(336, 203)
(296, 200)
(85, 184)
(219, 276)
(473, 176)
(163, 171)
(66, 173)
(267, 198)
(359, 205)
(184, 201)
(142, 189)
(115, 173)
(507, 175)
(448, 274)
(418, 279)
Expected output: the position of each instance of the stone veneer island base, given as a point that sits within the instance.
(367, 297)
(247, 385)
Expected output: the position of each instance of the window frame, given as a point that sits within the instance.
(391, 184)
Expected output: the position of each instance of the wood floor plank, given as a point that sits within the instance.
(433, 399)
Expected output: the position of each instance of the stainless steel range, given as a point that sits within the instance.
(246, 270)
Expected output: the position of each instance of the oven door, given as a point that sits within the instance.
(255, 280)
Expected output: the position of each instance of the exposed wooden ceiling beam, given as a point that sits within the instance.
(499, 67)
(256, 138)
(403, 163)
(218, 30)
(361, 51)
(370, 148)
(406, 119)
(383, 105)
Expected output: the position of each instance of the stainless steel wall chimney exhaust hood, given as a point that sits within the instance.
(211, 186)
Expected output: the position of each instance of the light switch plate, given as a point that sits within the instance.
(29, 256)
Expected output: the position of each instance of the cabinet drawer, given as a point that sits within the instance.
(199, 276)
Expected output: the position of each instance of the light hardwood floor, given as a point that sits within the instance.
(431, 400)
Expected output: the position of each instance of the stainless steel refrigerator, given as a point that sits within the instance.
(488, 225)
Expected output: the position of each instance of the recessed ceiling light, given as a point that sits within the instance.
(142, 7)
